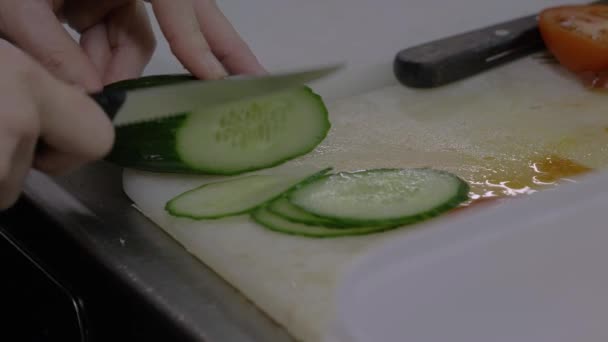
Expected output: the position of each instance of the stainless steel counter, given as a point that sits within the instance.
(92, 209)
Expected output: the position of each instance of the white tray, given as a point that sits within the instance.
(531, 270)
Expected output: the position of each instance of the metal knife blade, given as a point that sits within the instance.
(152, 103)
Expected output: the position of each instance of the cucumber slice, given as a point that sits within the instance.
(231, 139)
(381, 196)
(234, 196)
(283, 208)
(276, 223)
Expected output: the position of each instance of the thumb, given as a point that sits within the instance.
(74, 128)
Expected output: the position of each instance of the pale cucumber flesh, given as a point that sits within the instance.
(230, 139)
(381, 196)
(327, 205)
(235, 196)
(253, 133)
(226, 198)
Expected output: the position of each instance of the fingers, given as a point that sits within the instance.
(83, 14)
(131, 41)
(203, 39)
(8, 190)
(226, 43)
(32, 25)
(181, 28)
(15, 161)
(14, 171)
(95, 44)
(19, 124)
(122, 44)
(72, 125)
(37, 107)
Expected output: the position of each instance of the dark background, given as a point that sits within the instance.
(52, 290)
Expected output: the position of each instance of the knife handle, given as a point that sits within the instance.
(456, 57)
(110, 100)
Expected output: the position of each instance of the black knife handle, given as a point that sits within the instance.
(456, 57)
(110, 100)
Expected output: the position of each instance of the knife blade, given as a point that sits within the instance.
(127, 107)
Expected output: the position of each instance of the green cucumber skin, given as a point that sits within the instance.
(159, 135)
(330, 233)
(462, 194)
(310, 219)
(170, 208)
(176, 213)
(151, 146)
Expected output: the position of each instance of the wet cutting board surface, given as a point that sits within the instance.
(505, 132)
(513, 130)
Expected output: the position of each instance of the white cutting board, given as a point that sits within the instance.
(487, 129)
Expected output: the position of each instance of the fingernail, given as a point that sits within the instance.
(214, 68)
(260, 72)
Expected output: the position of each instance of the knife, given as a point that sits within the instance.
(456, 57)
(127, 107)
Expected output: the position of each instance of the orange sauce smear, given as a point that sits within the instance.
(553, 168)
(540, 173)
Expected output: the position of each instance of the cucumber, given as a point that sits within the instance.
(327, 205)
(234, 196)
(283, 208)
(381, 196)
(268, 220)
(230, 139)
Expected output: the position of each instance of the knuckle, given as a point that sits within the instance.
(184, 45)
(104, 145)
(11, 55)
(79, 23)
(9, 9)
(192, 36)
(100, 143)
(29, 126)
(53, 60)
(24, 125)
(231, 50)
(150, 44)
(8, 198)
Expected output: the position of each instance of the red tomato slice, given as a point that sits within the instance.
(577, 36)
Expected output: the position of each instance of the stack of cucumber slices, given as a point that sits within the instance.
(266, 131)
(327, 204)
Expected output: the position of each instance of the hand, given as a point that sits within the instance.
(116, 41)
(203, 39)
(36, 105)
